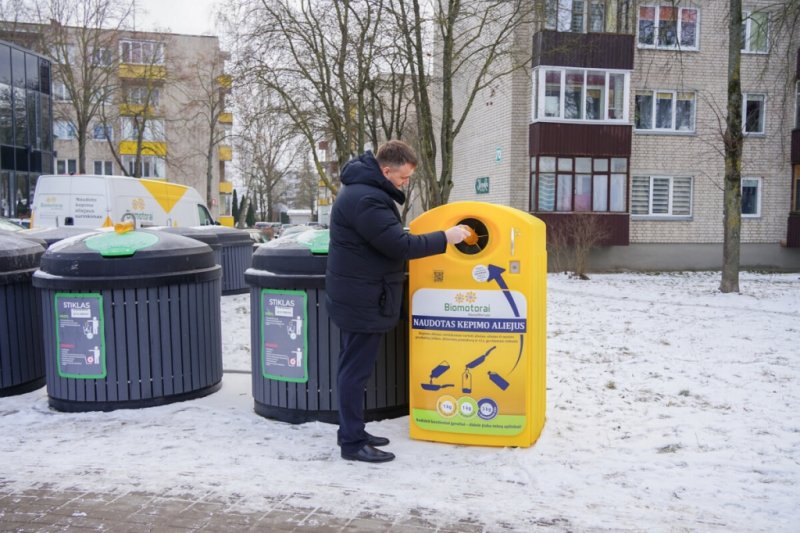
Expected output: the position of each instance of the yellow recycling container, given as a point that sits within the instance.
(477, 329)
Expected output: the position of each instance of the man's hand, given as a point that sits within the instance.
(456, 234)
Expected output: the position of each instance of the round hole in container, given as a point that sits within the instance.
(477, 241)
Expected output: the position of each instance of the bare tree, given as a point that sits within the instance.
(80, 36)
(205, 91)
(474, 41)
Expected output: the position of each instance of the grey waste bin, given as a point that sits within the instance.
(199, 233)
(53, 235)
(237, 252)
(24, 234)
(295, 345)
(21, 350)
(130, 320)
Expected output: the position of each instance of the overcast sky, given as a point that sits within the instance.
(194, 17)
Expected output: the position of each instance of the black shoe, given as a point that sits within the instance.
(372, 440)
(369, 454)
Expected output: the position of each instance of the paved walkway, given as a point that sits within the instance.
(44, 510)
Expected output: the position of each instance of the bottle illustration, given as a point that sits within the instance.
(466, 381)
(498, 380)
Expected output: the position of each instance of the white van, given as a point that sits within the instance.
(91, 201)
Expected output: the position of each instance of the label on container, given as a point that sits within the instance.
(80, 337)
(284, 335)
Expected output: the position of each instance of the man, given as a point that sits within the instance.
(365, 275)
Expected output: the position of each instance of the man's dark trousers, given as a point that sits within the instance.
(356, 362)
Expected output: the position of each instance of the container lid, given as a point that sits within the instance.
(53, 235)
(18, 257)
(303, 253)
(23, 234)
(141, 257)
(227, 236)
(198, 233)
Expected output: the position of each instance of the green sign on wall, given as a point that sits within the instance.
(482, 185)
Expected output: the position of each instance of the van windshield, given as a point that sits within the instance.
(205, 216)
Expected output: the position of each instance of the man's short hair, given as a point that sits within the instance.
(396, 153)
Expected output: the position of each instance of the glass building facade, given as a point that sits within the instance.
(26, 127)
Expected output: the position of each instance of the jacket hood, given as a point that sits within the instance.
(365, 170)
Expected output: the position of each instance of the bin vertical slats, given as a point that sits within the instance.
(6, 348)
(186, 340)
(120, 359)
(132, 342)
(143, 330)
(167, 340)
(313, 353)
(14, 329)
(155, 337)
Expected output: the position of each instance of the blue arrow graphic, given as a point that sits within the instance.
(496, 274)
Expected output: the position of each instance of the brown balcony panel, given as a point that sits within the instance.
(585, 50)
(793, 231)
(796, 146)
(797, 73)
(617, 225)
(552, 138)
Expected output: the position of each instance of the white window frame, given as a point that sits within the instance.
(102, 57)
(565, 12)
(747, 22)
(662, 216)
(66, 163)
(137, 95)
(61, 92)
(104, 165)
(763, 114)
(673, 129)
(657, 28)
(109, 131)
(150, 162)
(759, 195)
(149, 52)
(153, 130)
(540, 74)
(64, 130)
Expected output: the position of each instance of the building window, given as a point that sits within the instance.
(753, 112)
(66, 54)
(755, 36)
(102, 132)
(579, 184)
(101, 57)
(66, 166)
(751, 197)
(661, 196)
(151, 166)
(153, 129)
(61, 92)
(64, 130)
(104, 168)
(142, 96)
(141, 52)
(668, 27)
(571, 15)
(104, 94)
(581, 95)
(664, 110)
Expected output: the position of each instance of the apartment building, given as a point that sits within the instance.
(162, 111)
(621, 115)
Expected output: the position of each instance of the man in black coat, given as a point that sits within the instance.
(365, 275)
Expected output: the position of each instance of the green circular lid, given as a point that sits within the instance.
(318, 241)
(114, 244)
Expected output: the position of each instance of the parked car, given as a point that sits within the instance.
(10, 225)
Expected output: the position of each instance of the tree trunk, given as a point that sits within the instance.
(732, 213)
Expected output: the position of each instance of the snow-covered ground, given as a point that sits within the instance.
(670, 407)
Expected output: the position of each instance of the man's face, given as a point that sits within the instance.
(399, 176)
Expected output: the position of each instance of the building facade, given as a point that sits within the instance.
(26, 141)
(621, 116)
(161, 110)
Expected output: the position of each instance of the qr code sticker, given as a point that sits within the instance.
(438, 276)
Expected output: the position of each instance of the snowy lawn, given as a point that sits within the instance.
(670, 407)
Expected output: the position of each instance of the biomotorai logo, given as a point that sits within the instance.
(465, 301)
(138, 204)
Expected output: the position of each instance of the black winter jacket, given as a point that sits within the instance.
(369, 248)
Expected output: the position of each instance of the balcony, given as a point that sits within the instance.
(150, 72)
(226, 187)
(225, 81)
(796, 146)
(131, 110)
(583, 50)
(579, 139)
(226, 118)
(148, 148)
(225, 153)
